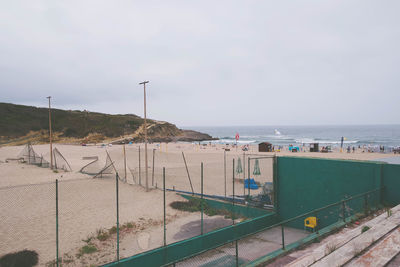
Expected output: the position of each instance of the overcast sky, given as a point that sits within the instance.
(208, 62)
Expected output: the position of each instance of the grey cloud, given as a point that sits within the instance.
(209, 63)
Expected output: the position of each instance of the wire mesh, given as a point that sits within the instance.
(88, 210)
(28, 221)
(259, 189)
(29, 156)
(60, 162)
(87, 221)
(222, 256)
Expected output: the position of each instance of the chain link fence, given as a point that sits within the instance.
(278, 236)
(28, 220)
(84, 222)
(96, 221)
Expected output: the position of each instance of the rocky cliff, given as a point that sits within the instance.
(20, 124)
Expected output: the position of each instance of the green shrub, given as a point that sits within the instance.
(364, 229)
(112, 230)
(102, 235)
(128, 225)
(88, 239)
(53, 263)
(88, 249)
(196, 204)
(24, 258)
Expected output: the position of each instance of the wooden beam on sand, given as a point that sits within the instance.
(187, 171)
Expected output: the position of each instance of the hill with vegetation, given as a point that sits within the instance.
(20, 124)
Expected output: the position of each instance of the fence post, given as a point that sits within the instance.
(124, 160)
(343, 211)
(152, 173)
(244, 173)
(57, 241)
(381, 191)
(165, 228)
(202, 231)
(225, 170)
(248, 175)
(233, 191)
(275, 182)
(140, 175)
(233, 213)
(117, 200)
(237, 253)
(283, 236)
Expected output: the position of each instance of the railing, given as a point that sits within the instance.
(235, 249)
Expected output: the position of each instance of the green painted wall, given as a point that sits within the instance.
(305, 184)
(391, 180)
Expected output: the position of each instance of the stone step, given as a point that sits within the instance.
(354, 247)
(381, 253)
(338, 241)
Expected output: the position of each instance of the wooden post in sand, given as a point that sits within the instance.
(29, 153)
(187, 171)
(145, 137)
(50, 135)
(140, 175)
(125, 161)
(152, 173)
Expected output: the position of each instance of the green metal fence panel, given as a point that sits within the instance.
(391, 180)
(304, 187)
(246, 211)
(305, 184)
(187, 248)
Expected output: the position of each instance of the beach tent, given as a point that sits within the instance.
(314, 147)
(264, 147)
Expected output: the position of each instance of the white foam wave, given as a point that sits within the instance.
(233, 141)
(310, 140)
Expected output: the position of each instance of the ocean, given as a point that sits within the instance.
(369, 135)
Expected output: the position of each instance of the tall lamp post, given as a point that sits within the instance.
(145, 136)
(50, 136)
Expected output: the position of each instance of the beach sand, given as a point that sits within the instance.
(28, 206)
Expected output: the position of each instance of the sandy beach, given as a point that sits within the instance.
(27, 194)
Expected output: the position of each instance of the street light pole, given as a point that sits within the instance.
(50, 135)
(145, 136)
